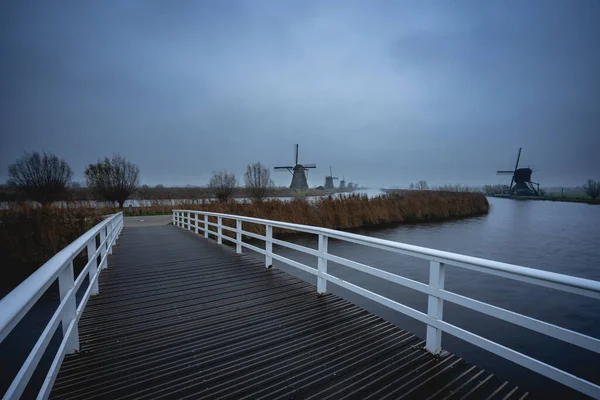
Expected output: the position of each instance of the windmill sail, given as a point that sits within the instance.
(298, 171)
(520, 182)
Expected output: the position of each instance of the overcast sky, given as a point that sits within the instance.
(386, 92)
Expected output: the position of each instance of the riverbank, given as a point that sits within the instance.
(563, 199)
(31, 235)
(161, 195)
(352, 211)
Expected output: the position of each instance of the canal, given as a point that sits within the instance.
(553, 236)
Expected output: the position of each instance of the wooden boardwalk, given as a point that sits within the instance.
(181, 317)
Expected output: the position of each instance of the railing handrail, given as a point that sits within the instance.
(20, 300)
(59, 268)
(424, 252)
(434, 289)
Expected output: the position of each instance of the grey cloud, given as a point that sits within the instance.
(385, 92)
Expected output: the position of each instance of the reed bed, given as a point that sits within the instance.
(347, 212)
(29, 236)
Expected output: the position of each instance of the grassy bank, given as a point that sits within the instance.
(586, 200)
(30, 236)
(351, 211)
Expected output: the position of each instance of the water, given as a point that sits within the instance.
(182, 202)
(557, 237)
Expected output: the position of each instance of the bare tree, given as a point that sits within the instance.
(592, 188)
(258, 181)
(222, 184)
(42, 177)
(113, 179)
(421, 185)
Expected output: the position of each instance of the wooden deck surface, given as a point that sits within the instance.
(179, 316)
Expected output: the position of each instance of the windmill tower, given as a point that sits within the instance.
(520, 183)
(343, 183)
(329, 180)
(298, 171)
(351, 186)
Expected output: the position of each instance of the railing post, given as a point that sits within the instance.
(196, 220)
(205, 226)
(93, 260)
(238, 236)
(173, 212)
(219, 230)
(322, 264)
(66, 282)
(269, 246)
(435, 307)
(104, 263)
(109, 242)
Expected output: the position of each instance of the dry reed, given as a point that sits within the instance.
(29, 236)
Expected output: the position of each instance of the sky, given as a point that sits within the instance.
(386, 92)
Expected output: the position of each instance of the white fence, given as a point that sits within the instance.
(198, 221)
(17, 303)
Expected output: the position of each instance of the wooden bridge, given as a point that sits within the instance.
(178, 316)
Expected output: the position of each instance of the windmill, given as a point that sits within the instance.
(329, 180)
(520, 183)
(343, 183)
(298, 171)
(351, 186)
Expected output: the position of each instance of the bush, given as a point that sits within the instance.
(592, 188)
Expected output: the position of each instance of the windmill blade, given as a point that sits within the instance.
(309, 166)
(289, 167)
(505, 172)
(296, 154)
(518, 158)
(334, 177)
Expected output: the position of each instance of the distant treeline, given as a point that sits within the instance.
(158, 192)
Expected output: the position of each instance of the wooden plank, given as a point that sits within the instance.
(181, 317)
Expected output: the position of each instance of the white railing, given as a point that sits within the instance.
(17, 303)
(438, 260)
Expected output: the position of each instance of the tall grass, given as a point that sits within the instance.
(350, 211)
(29, 236)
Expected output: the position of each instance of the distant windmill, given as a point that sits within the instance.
(329, 180)
(520, 183)
(298, 171)
(343, 183)
(351, 185)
